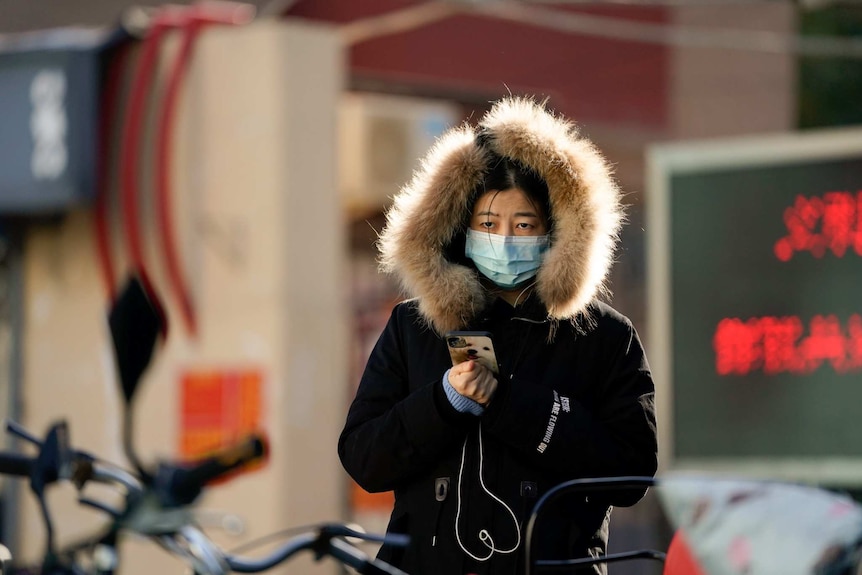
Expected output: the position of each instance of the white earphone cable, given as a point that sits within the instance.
(484, 535)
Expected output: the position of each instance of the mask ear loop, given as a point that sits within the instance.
(484, 536)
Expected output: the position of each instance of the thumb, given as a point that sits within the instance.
(466, 366)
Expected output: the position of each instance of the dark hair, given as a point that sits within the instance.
(503, 174)
(506, 173)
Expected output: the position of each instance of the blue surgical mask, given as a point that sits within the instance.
(508, 261)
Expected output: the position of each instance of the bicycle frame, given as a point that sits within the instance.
(576, 485)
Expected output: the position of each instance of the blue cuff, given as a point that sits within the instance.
(459, 402)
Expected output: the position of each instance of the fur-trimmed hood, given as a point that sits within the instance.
(428, 214)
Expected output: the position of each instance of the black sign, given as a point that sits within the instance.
(48, 132)
(756, 294)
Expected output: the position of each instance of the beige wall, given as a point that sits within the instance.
(724, 91)
(263, 248)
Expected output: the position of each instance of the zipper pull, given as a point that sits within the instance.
(441, 488)
(441, 491)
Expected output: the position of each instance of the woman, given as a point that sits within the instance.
(509, 228)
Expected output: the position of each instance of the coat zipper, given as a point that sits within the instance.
(524, 342)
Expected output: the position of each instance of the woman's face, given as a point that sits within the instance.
(508, 213)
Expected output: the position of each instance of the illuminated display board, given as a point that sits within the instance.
(755, 301)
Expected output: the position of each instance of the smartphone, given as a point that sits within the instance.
(476, 345)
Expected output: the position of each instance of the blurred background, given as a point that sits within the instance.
(243, 155)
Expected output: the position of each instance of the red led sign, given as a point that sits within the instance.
(816, 225)
(782, 345)
(755, 292)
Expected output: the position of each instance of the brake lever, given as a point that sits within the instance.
(20, 432)
(114, 513)
(337, 530)
(230, 523)
(396, 539)
(192, 544)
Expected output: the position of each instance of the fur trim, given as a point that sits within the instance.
(428, 213)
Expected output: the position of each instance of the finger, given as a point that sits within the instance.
(463, 367)
(462, 382)
(480, 367)
(487, 386)
(485, 378)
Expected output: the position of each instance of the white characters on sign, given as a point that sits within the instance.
(48, 125)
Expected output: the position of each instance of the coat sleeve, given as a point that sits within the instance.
(616, 437)
(392, 433)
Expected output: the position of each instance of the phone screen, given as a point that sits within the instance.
(478, 346)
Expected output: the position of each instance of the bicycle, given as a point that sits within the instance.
(158, 504)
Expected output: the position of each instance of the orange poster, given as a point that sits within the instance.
(218, 409)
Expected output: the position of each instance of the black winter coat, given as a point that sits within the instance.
(581, 406)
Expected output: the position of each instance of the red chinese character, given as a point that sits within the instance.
(839, 221)
(779, 344)
(737, 346)
(857, 236)
(854, 343)
(801, 220)
(826, 342)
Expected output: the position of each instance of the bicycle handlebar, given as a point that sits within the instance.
(326, 541)
(16, 464)
(159, 508)
(206, 557)
(181, 485)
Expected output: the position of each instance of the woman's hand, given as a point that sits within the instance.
(472, 379)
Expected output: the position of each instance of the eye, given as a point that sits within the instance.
(486, 224)
(524, 226)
